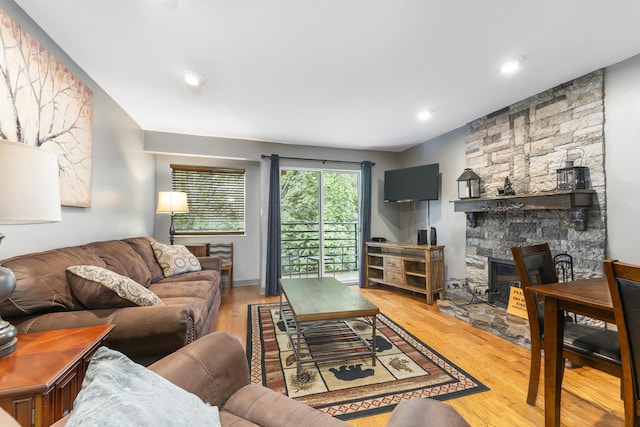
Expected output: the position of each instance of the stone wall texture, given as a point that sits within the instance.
(528, 142)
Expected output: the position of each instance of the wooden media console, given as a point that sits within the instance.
(416, 268)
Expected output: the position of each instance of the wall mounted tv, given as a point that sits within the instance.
(412, 184)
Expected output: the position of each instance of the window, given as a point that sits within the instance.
(215, 197)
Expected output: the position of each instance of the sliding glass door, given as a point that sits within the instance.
(319, 220)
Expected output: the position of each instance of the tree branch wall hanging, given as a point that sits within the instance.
(44, 105)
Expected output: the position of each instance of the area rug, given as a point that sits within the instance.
(406, 368)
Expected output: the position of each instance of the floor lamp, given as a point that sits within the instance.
(172, 202)
(29, 194)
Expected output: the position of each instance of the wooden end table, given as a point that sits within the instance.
(41, 379)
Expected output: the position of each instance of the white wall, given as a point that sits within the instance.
(622, 157)
(122, 178)
(448, 150)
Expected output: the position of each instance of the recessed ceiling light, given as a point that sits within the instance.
(193, 79)
(425, 114)
(511, 65)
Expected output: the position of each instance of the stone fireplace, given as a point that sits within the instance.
(527, 142)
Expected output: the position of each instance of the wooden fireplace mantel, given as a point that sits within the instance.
(577, 202)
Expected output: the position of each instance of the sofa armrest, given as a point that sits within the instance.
(214, 367)
(418, 412)
(210, 262)
(144, 334)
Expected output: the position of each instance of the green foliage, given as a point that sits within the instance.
(300, 217)
(299, 198)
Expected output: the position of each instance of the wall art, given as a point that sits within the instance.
(44, 105)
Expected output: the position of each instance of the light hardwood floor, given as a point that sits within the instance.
(589, 397)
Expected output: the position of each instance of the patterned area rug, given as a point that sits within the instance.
(405, 368)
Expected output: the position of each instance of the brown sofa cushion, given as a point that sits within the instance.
(121, 258)
(97, 288)
(142, 245)
(42, 281)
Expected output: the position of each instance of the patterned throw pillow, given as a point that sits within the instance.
(119, 392)
(97, 287)
(175, 259)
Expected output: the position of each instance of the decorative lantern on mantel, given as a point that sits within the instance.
(572, 177)
(468, 185)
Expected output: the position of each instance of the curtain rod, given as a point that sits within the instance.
(264, 156)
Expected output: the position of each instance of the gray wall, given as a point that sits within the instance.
(246, 267)
(250, 254)
(123, 178)
(622, 155)
(447, 150)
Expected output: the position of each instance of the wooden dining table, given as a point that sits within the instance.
(589, 297)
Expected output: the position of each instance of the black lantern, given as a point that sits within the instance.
(572, 177)
(468, 185)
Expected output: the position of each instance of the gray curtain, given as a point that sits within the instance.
(365, 215)
(272, 287)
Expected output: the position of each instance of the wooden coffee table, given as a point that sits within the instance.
(320, 317)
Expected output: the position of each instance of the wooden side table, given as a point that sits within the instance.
(198, 249)
(41, 379)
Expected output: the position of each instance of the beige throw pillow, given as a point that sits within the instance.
(175, 259)
(97, 288)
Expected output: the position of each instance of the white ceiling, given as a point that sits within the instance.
(334, 73)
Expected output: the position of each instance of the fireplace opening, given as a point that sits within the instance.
(502, 276)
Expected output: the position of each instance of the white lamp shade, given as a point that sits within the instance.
(171, 202)
(29, 184)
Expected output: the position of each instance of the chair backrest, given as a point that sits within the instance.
(535, 267)
(534, 264)
(222, 250)
(624, 285)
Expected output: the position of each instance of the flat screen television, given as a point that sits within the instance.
(412, 184)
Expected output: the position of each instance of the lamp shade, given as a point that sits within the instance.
(172, 202)
(29, 185)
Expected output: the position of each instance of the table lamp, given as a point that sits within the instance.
(172, 202)
(29, 194)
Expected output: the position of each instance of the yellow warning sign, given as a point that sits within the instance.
(517, 304)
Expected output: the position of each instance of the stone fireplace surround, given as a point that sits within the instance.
(527, 142)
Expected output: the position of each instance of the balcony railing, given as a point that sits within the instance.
(300, 243)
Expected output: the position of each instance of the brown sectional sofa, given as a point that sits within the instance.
(215, 369)
(43, 299)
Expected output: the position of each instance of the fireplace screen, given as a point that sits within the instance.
(502, 275)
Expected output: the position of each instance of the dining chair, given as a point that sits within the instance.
(582, 344)
(564, 269)
(225, 252)
(624, 285)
